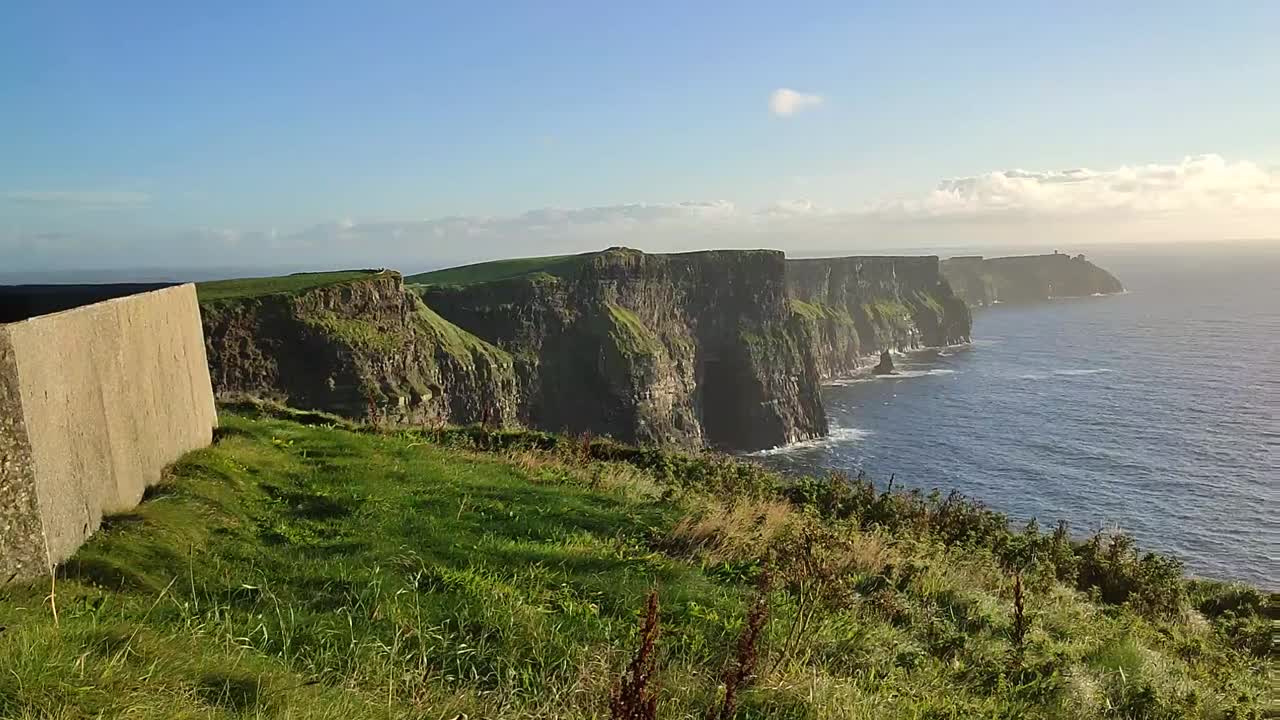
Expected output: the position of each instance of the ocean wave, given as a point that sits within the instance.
(837, 436)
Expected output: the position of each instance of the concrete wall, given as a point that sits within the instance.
(94, 402)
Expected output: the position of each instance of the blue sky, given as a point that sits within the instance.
(190, 132)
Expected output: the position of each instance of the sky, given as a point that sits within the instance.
(421, 134)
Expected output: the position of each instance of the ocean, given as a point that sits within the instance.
(1156, 412)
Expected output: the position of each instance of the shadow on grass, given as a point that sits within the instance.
(234, 692)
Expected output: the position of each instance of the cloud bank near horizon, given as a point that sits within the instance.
(1203, 197)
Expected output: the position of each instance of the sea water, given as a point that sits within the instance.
(1156, 412)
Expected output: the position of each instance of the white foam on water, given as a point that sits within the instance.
(837, 436)
(898, 375)
(1090, 371)
(843, 382)
(1063, 373)
(902, 374)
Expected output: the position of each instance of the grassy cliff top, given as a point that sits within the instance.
(303, 567)
(288, 284)
(558, 265)
(498, 270)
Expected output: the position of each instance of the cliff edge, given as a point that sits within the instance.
(854, 308)
(689, 349)
(1027, 278)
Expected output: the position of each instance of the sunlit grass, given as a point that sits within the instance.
(312, 570)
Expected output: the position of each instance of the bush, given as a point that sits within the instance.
(1111, 565)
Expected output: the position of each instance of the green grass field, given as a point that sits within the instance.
(496, 270)
(256, 287)
(315, 570)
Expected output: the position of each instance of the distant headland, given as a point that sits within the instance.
(1027, 278)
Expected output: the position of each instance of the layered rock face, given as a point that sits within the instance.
(985, 281)
(724, 349)
(691, 349)
(366, 348)
(853, 308)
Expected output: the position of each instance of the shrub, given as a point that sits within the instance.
(1150, 583)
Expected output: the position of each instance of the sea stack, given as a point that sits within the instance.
(885, 366)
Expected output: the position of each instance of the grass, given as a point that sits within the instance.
(302, 567)
(458, 342)
(356, 331)
(497, 270)
(257, 287)
(818, 312)
(630, 333)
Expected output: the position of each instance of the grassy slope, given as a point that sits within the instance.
(630, 333)
(311, 571)
(254, 287)
(495, 270)
(459, 342)
(818, 312)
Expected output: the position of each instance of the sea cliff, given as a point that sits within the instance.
(689, 349)
(723, 349)
(357, 344)
(1027, 278)
(853, 308)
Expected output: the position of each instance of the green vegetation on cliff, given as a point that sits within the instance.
(357, 332)
(301, 567)
(857, 306)
(280, 284)
(458, 342)
(355, 343)
(497, 270)
(630, 333)
(818, 312)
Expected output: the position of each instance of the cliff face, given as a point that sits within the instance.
(1028, 278)
(692, 349)
(853, 308)
(724, 348)
(363, 348)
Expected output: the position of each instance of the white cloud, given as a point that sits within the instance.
(78, 198)
(785, 101)
(1203, 197)
(1201, 184)
(794, 208)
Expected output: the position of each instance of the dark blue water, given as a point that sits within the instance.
(1156, 412)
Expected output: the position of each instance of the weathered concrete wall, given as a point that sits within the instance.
(106, 396)
(22, 551)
